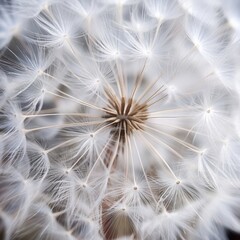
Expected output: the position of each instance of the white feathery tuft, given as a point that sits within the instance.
(119, 119)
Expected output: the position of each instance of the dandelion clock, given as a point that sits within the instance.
(119, 120)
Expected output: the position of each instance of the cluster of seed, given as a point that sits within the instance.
(119, 120)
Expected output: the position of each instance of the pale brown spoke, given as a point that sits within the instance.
(67, 125)
(61, 144)
(153, 149)
(139, 79)
(144, 173)
(166, 145)
(187, 145)
(144, 93)
(61, 114)
(71, 98)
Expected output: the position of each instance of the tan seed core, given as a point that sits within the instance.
(126, 116)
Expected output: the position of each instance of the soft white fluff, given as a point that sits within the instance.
(119, 119)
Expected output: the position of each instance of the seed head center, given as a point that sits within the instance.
(122, 117)
(126, 115)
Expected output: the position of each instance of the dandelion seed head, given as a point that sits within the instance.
(119, 119)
